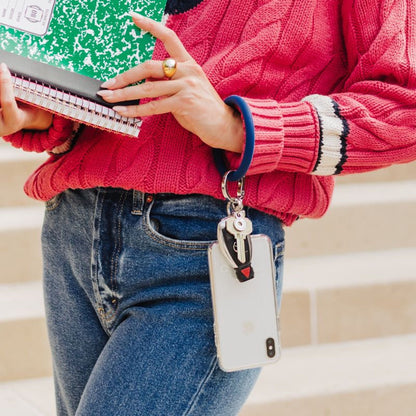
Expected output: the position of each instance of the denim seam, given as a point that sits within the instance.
(105, 317)
(204, 381)
(116, 253)
(279, 250)
(109, 315)
(96, 249)
(179, 244)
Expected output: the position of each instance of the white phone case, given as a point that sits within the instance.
(246, 323)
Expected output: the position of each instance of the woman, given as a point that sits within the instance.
(331, 87)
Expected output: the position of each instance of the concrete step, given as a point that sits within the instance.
(349, 296)
(20, 249)
(362, 216)
(327, 299)
(31, 397)
(24, 349)
(371, 377)
(15, 167)
(403, 172)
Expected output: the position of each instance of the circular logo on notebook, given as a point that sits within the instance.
(180, 6)
(33, 13)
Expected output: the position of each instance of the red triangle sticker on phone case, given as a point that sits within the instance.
(246, 271)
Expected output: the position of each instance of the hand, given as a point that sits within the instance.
(15, 117)
(188, 95)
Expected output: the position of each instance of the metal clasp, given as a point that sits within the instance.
(235, 204)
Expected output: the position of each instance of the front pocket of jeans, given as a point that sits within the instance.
(53, 203)
(180, 230)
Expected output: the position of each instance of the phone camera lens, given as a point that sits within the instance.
(270, 347)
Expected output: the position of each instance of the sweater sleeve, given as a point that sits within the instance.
(43, 140)
(371, 123)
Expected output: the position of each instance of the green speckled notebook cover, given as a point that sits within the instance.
(95, 38)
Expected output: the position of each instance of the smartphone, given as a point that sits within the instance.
(246, 322)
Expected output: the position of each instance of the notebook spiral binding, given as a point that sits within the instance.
(73, 106)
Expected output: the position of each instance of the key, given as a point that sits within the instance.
(240, 227)
(234, 238)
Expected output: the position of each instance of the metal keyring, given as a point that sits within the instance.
(235, 204)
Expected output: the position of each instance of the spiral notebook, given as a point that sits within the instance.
(60, 51)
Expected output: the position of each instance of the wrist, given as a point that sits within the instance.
(236, 133)
(244, 111)
(36, 119)
(231, 126)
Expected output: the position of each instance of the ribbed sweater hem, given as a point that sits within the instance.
(40, 141)
(284, 138)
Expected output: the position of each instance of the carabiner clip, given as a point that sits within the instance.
(235, 204)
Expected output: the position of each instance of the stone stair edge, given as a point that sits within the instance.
(21, 217)
(21, 301)
(9, 154)
(345, 195)
(302, 373)
(28, 397)
(349, 270)
(391, 173)
(355, 363)
(361, 268)
(352, 194)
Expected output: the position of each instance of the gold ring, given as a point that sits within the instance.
(169, 67)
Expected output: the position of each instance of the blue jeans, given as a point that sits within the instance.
(128, 304)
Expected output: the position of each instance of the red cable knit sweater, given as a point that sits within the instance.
(332, 88)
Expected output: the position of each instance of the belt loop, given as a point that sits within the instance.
(138, 203)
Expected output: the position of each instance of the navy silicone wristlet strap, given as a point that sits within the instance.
(239, 103)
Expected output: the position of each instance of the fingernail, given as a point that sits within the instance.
(5, 71)
(120, 109)
(108, 83)
(135, 15)
(105, 93)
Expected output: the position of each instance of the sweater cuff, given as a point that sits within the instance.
(41, 140)
(301, 137)
(285, 137)
(61, 130)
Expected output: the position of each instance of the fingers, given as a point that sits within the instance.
(168, 37)
(177, 95)
(7, 101)
(151, 69)
(148, 69)
(162, 106)
(147, 90)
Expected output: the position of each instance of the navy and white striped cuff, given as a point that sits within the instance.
(333, 134)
